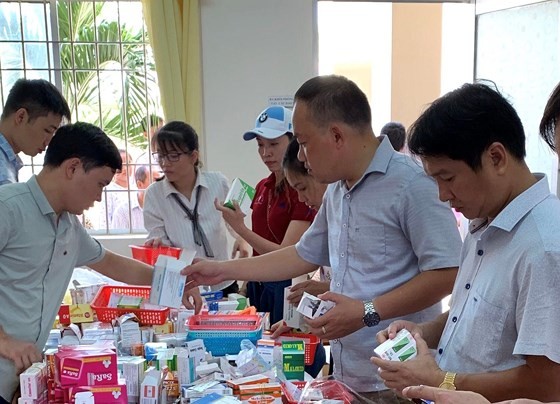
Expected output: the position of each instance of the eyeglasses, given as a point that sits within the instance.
(170, 157)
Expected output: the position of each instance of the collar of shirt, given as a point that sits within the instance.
(516, 209)
(134, 201)
(39, 196)
(169, 189)
(270, 181)
(43, 202)
(378, 164)
(9, 151)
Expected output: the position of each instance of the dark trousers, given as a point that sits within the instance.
(268, 297)
(318, 362)
(2, 401)
(233, 288)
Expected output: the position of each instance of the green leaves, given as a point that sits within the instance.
(104, 75)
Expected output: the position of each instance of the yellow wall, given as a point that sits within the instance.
(416, 59)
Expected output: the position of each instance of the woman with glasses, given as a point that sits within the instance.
(278, 219)
(179, 207)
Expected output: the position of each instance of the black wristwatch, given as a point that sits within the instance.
(371, 317)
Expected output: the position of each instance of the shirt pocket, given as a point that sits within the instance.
(480, 332)
(367, 247)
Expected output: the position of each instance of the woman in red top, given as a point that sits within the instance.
(279, 219)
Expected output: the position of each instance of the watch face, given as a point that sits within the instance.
(371, 319)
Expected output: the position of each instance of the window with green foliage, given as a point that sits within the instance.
(97, 53)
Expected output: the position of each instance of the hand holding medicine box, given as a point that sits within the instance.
(313, 307)
(400, 348)
(168, 284)
(291, 316)
(242, 193)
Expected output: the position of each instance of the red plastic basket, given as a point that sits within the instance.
(149, 255)
(108, 314)
(311, 341)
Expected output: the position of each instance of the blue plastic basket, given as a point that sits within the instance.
(220, 338)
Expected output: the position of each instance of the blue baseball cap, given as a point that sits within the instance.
(272, 123)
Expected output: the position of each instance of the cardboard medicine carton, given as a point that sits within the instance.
(293, 359)
(400, 348)
(313, 307)
(292, 316)
(241, 192)
(167, 283)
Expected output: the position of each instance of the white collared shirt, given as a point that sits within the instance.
(505, 298)
(165, 219)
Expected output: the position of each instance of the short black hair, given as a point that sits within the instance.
(290, 162)
(335, 98)
(549, 119)
(84, 141)
(178, 135)
(154, 119)
(462, 124)
(396, 133)
(39, 97)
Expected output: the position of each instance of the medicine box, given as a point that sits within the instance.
(132, 369)
(167, 283)
(75, 313)
(292, 317)
(400, 348)
(241, 192)
(113, 394)
(293, 359)
(82, 368)
(33, 381)
(313, 307)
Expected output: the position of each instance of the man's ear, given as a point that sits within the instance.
(71, 166)
(498, 157)
(21, 116)
(337, 134)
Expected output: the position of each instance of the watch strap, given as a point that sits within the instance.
(448, 381)
(371, 317)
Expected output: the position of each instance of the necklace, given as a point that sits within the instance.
(268, 206)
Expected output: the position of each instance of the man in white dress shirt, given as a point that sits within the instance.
(500, 336)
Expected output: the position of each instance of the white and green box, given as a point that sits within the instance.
(400, 348)
(241, 192)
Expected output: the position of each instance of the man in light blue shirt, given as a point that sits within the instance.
(392, 245)
(500, 335)
(33, 111)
